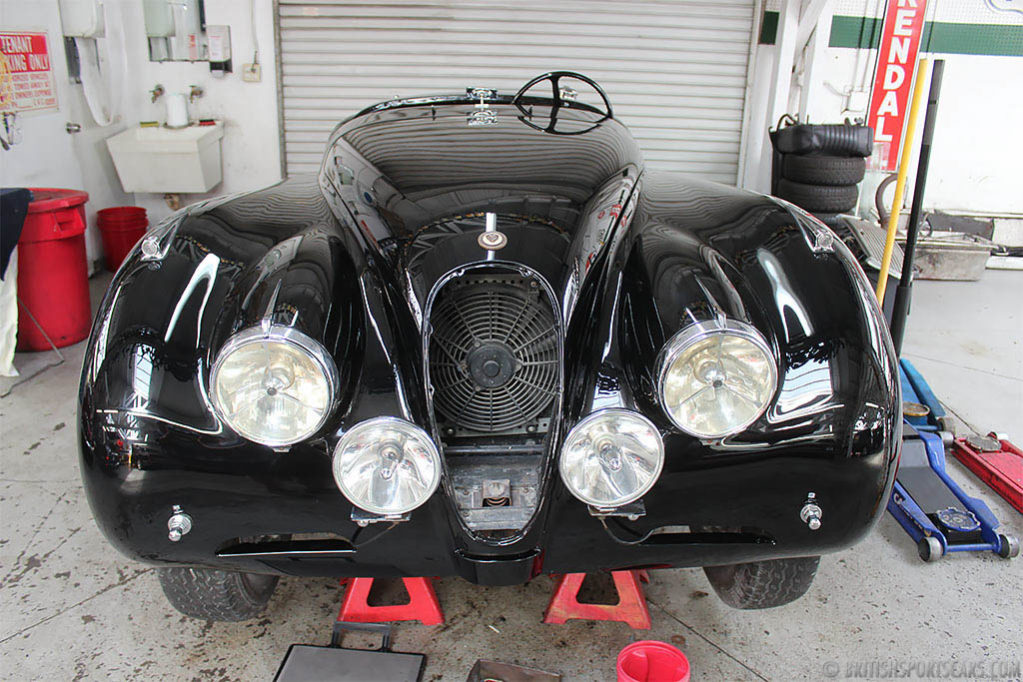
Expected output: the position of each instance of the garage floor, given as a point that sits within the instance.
(73, 608)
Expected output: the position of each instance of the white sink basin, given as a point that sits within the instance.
(168, 161)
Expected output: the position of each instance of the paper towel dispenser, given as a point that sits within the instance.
(82, 18)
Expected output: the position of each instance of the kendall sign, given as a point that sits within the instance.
(896, 59)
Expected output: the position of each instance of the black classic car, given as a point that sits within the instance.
(486, 341)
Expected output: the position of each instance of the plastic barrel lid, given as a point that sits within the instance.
(46, 199)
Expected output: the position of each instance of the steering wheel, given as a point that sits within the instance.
(555, 79)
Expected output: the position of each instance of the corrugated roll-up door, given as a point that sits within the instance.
(675, 71)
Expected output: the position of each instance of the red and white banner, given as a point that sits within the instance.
(893, 79)
(26, 79)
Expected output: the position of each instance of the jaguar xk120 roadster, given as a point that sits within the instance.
(486, 341)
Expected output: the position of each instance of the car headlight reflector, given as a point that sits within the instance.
(274, 386)
(611, 458)
(387, 466)
(716, 378)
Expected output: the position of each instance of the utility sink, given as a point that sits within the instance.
(166, 160)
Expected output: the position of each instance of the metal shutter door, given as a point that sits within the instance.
(675, 71)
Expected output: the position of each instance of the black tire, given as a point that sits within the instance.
(209, 594)
(823, 170)
(832, 220)
(819, 198)
(763, 584)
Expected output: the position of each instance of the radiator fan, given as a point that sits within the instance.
(493, 354)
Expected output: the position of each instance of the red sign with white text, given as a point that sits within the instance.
(27, 77)
(896, 59)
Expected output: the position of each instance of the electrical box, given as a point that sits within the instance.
(252, 73)
(218, 41)
(218, 49)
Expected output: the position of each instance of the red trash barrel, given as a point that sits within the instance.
(53, 276)
(121, 228)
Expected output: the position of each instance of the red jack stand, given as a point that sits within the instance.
(631, 607)
(422, 605)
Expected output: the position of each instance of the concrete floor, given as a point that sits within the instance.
(75, 609)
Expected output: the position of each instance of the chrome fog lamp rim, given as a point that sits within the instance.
(621, 413)
(700, 331)
(400, 424)
(277, 333)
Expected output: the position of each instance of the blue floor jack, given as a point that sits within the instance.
(926, 502)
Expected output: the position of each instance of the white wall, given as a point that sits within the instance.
(50, 157)
(250, 147)
(978, 140)
(974, 167)
(47, 156)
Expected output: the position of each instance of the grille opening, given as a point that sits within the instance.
(494, 362)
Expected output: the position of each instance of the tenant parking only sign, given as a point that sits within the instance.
(896, 59)
(25, 74)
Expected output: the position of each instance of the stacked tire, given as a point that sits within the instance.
(819, 167)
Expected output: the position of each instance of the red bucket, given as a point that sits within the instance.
(53, 276)
(121, 228)
(652, 661)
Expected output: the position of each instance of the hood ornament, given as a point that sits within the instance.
(491, 239)
(482, 114)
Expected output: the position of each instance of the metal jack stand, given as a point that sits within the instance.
(422, 605)
(631, 607)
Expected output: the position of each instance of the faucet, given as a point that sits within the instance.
(156, 92)
(194, 94)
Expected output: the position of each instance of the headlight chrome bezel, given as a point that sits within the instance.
(700, 331)
(604, 414)
(374, 422)
(282, 334)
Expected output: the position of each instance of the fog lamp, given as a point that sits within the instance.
(611, 458)
(386, 466)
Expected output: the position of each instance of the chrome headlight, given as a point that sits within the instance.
(611, 458)
(274, 386)
(716, 378)
(386, 466)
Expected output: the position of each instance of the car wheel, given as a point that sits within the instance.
(823, 170)
(210, 594)
(819, 198)
(763, 584)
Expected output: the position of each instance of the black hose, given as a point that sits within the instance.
(882, 214)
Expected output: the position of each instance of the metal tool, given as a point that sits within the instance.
(927, 503)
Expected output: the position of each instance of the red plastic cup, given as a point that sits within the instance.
(652, 661)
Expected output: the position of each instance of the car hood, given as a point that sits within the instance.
(419, 181)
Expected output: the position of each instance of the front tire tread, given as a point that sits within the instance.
(210, 594)
(763, 584)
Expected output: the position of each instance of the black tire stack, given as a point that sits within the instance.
(818, 167)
